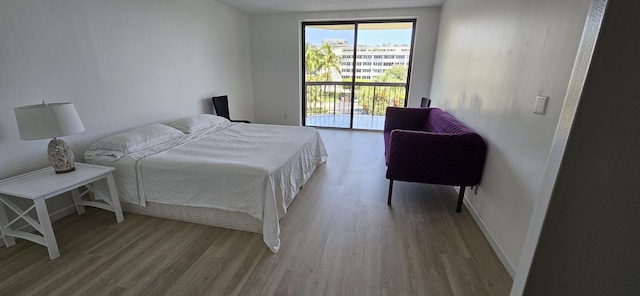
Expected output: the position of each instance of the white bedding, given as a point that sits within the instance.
(251, 168)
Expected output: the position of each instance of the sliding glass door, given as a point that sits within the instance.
(354, 70)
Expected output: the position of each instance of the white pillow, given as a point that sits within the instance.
(135, 140)
(195, 123)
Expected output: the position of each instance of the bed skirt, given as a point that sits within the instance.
(205, 216)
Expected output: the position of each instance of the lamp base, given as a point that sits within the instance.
(60, 156)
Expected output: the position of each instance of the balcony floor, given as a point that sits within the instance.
(365, 122)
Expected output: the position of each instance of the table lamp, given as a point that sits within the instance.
(43, 121)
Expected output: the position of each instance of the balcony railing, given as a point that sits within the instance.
(370, 98)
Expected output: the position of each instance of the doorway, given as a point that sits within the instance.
(354, 70)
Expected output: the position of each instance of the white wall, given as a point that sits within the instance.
(276, 56)
(589, 241)
(122, 63)
(493, 58)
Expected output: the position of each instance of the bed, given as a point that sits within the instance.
(208, 170)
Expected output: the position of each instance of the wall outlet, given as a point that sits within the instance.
(285, 116)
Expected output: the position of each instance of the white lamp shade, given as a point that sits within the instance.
(42, 121)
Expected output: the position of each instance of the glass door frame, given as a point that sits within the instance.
(304, 24)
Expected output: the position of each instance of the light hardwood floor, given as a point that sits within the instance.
(338, 238)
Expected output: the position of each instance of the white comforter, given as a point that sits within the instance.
(251, 168)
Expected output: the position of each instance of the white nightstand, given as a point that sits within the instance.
(45, 183)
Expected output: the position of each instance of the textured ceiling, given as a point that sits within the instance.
(275, 6)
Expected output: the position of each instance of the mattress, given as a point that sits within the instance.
(252, 169)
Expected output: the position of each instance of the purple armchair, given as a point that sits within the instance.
(428, 145)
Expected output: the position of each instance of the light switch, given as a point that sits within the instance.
(541, 104)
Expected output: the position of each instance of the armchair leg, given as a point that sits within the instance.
(460, 199)
(390, 190)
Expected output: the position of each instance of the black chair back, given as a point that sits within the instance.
(425, 102)
(221, 106)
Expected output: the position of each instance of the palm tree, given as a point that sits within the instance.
(319, 64)
(312, 66)
(329, 61)
(311, 59)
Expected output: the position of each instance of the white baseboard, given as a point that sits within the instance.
(59, 214)
(492, 241)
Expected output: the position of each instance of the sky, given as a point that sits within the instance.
(365, 37)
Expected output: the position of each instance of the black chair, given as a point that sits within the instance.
(221, 108)
(425, 103)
